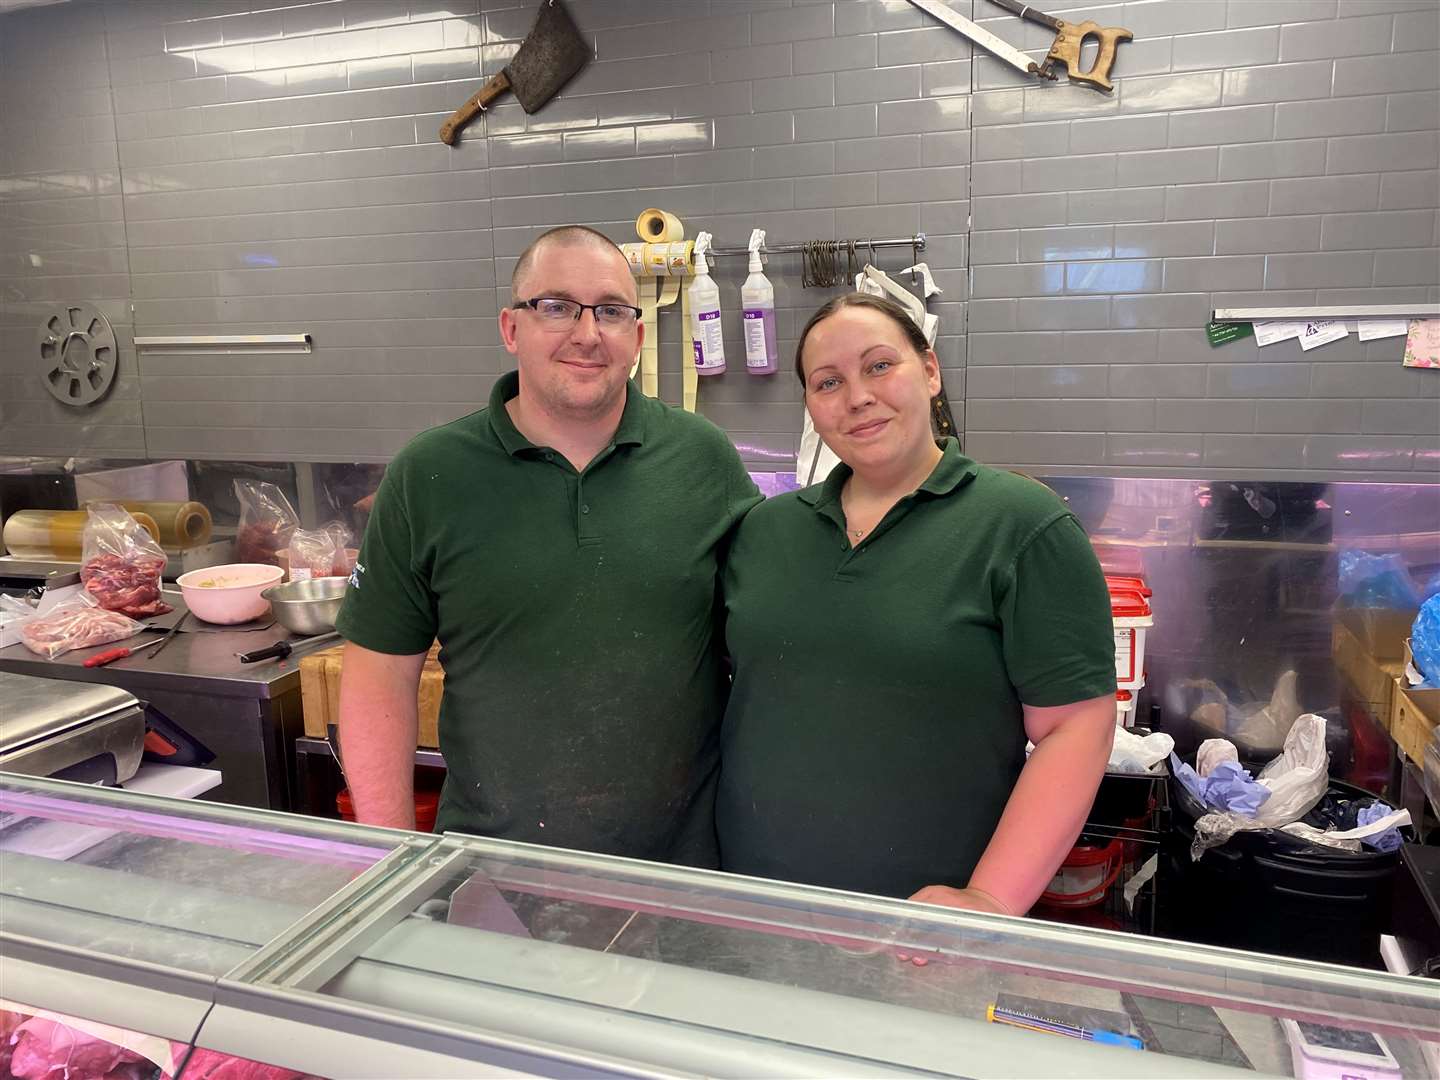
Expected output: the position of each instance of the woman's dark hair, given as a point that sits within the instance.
(883, 304)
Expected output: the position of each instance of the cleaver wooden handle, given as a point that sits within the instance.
(473, 108)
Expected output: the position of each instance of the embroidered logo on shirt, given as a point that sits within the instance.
(355, 575)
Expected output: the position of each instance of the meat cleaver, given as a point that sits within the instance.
(546, 60)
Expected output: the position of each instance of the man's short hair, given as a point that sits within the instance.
(566, 235)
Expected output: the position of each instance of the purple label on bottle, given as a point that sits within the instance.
(707, 316)
(699, 353)
(753, 315)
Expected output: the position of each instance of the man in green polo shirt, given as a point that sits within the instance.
(564, 546)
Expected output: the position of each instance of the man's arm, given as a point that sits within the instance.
(379, 725)
(1045, 812)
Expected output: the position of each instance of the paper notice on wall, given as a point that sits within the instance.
(1268, 333)
(1321, 332)
(1375, 329)
(1422, 347)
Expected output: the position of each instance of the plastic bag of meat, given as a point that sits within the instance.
(44, 1049)
(122, 563)
(319, 552)
(76, 623)
(266, 521)
(344, 554)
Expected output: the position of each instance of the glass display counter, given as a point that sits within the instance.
(330, 949)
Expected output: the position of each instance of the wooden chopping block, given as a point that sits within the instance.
(320, 693)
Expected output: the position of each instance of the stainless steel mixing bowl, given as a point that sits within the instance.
(307, 607)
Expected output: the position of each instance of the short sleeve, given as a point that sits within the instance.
(1058, 639)
(742, 495)
(389, 606)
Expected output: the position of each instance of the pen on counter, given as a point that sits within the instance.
(997, 1015)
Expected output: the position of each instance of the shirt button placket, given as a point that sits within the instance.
(582, 510)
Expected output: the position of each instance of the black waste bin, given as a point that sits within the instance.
(1270, 892)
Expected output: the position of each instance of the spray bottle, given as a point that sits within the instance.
(757, 296)
(705, 314)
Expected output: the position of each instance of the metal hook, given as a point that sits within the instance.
(914, 259)
(871, 242)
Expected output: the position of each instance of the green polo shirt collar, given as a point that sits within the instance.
(953, 470)
(631, 431)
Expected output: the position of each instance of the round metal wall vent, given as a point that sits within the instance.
(77, 355)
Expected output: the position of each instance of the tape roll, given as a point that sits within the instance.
(655, 226)
(57, 534)
(182, 524)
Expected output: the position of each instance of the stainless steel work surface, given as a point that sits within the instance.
(33, 708)
(194, 661)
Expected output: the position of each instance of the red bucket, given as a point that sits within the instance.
(1085, 875)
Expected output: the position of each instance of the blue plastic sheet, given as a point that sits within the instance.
(1376, 581)
(1425, 642)
(1229, 787)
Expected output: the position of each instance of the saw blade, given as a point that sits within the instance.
(984, 38)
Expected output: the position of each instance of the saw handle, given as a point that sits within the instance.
(473, 108)
(1071, 36)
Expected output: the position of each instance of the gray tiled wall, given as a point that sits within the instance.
(248, 166)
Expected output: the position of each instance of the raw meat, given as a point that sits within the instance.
(9, 1021)
(126, 584)
(77, 623)
(262, 541)
(46, 1050)
(210, 1065)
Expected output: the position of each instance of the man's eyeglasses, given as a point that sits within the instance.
(557, 314)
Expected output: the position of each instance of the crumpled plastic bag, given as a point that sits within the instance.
(1379, 828)
(1212, 752)
(1259, 728)
(1138, 754)
(1376, 581)
(1425, 643)
(14, 612)
(1229, 787)
(319, 552)
(1297, 780)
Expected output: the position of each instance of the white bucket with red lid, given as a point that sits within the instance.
(1131, 614)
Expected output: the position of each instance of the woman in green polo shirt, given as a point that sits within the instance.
(897, 632)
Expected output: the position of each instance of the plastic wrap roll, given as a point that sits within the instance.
(57, 535)
(182, 524)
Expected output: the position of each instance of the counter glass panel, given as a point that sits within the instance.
(189, 885)
(526, 930)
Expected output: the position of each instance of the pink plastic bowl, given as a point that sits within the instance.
(228, 594)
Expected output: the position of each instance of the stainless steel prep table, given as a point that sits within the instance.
(248, 714)
(342, 950)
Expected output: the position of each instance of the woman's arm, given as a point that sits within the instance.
(1045, 812)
